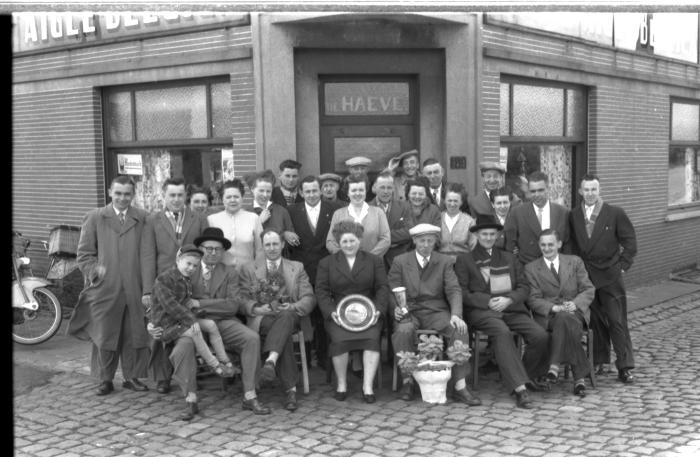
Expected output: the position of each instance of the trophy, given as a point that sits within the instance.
(400, 294)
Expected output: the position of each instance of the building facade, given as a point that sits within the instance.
(211, 96)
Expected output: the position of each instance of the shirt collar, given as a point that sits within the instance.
(275, 262)
(545, 208)
(420, 258)
(313, 208)
(555, 262)
(257, 205)
(117, 212)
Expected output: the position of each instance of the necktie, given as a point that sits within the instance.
(554, 271)
(424, 262)
(539, 215)
(176, 216)
(589, 221)
(206, 275)
(271, 268)
(257, 210)
(435, 196)
(122, 218)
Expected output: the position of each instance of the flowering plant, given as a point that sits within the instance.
(269, 291)
(429, 348)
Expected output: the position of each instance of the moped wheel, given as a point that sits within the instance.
(34, 327)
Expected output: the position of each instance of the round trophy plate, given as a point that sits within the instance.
(355, 312)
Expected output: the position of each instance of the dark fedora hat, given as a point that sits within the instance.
(486, 221)
(213, 234)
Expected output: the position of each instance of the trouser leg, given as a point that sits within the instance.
(246, 342)
(614, 305)
(182, 358)
(510, 365)
(601, 337)
(134, 360)
(565, 345)
(536, 357)
(276, 332)
(403, 338)
(159, 367)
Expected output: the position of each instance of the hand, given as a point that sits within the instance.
(147, 301)
(569, 306)
(155, 332)
(375, 318)
(458, 324)
(334, 316)
(195, 329)
(284, 306)
(193, 303)
(98, 273)
(264, 215)
(262, 310)
(291, 238)
(399, 313)
(499, 303)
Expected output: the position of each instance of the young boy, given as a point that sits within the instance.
(174, 309)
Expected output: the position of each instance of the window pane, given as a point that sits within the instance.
(683, 175)
(119, 110)
(556, 160)
(173, 113)
(221, 110)
(538, 111)
(686, 122)
(367, 99)
(575, 113)
(505, 109)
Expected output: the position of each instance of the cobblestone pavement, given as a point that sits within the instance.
(657, 416)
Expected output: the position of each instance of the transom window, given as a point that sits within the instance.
(684, 154)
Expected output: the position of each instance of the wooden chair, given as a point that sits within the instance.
(298, 338)
(587, 341)
(475, 337)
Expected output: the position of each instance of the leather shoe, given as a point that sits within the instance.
(135, 385)
(189, 413)
(407, 391)
(105, 388)
(369, 398)
(601, 369)
(255, 406)
(466, 397)
(625, 375)
(522, 399)
(163, 387)
(538, 386)
(552, 377)
(580, 390)
(290, 404)
(267, 373)
(340, 396)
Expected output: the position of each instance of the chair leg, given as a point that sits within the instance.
(476, 337)
(395, 376)
(304, 364)
(589, 348)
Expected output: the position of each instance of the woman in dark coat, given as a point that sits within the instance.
(352, 271)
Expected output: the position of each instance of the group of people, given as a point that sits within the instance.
(250, 277)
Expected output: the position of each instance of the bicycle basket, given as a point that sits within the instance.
(63, 240)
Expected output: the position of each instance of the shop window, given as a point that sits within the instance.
(684, 154)
(157, 131)
(543, 128)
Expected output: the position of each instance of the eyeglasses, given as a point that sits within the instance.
(211, 249)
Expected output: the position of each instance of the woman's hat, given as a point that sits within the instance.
(395, 161)
(485, 221)
(213, 234)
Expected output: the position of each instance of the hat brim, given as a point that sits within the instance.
(202, 239)
(475, 228)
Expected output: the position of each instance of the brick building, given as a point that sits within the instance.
(209, 95)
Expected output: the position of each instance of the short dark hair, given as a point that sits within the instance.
(289, 163)
(271, 230)
(420, 181)
(350, 179)
(550, 231)
(590, 177)
(501, 191)
(384, 174)
(194, 189)
(537, 176)
(177, 181)
(430, 161)
(459, 189)
(235, 183)
(265, 176)
(123, 180)
(347, 226)
(308, 179)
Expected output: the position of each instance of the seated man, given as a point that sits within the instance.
(277, 317)
(215, 286)
(434, 301)
(494, 290)
(561, 296)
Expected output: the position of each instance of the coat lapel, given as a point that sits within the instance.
(217, 278)
(546, 274)
(166, 226)
(598, 226)
(341, 265)
(532, 217)
(324, 219)
(289, 273)
(187, 223)
(565, 270)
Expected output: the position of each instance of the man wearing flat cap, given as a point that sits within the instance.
(492, 177)
(358, 167)
(433, 301)
(330, 188)
(494, 288)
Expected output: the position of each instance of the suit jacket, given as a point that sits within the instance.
(400, 218)
(601, 253)
(279, 218)
(429, 215)
(546, 291)
(443, 190)
(278, 197)
(335, 280)
(522, 230)
(460, 239)
(477, 292)
(377, 236)
(221, 298)
(480, 204)
(159, 244)
(312, 244)
(100, 308)
(435, 289)
(297, 285)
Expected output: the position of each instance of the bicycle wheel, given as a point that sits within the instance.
(34, 327)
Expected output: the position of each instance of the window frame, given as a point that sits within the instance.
(693, 205)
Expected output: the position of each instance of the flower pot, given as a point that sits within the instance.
(432, 378)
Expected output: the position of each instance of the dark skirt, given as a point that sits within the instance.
(343, 341)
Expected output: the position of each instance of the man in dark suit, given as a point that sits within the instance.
(436, 175)
(398, 214)
(604, 238)
(526, 221)
(494, 290)
(560, 298)
(288, 191)
(164, 233)
(492, 177)
(433, 301)
(312, 220)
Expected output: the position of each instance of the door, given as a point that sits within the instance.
(371, 116)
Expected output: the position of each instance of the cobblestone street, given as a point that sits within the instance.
(659, 415)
